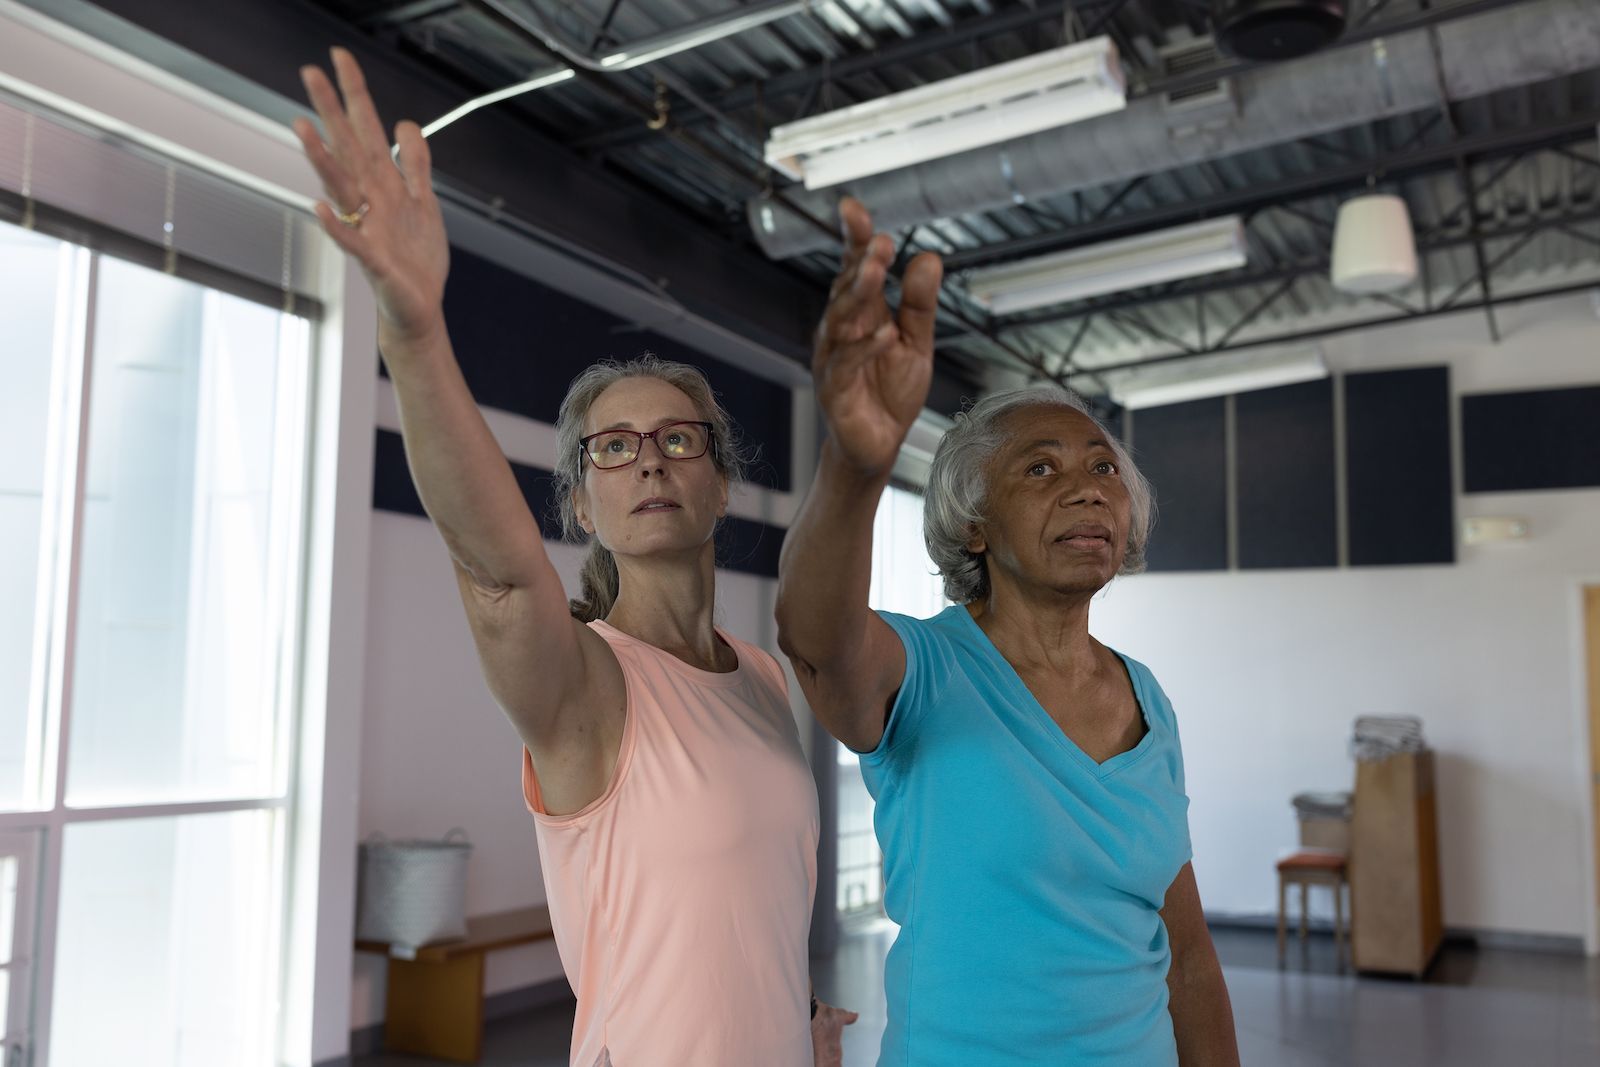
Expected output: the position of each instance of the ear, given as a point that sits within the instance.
(977, 543)
(722, 505)
(581, 511)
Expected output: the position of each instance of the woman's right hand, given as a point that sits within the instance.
(400, 240)
(872, 369)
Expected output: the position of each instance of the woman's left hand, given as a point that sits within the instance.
(827, 1034)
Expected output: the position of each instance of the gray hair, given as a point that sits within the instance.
(958, 487)
(600, 578)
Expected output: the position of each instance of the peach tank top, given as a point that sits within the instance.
(681, 898)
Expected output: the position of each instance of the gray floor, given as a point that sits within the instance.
(1475, 1008)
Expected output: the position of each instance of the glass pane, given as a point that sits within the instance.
(167, 952)
(903, 578)
(35, 278)
(195, 449)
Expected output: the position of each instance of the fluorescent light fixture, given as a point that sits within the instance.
(1131, 263)
(998, 103)
(1180, 380)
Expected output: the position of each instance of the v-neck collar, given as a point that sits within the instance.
(1025, 695)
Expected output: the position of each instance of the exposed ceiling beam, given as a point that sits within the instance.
(1419, 162)
(963, 33)
(1300, 336)
(1250, 280)
(400, 14)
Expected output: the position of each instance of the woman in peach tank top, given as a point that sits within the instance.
(675, 813)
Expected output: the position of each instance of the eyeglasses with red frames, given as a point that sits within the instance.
(611, 449)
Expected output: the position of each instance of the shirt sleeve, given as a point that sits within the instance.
(928, 665)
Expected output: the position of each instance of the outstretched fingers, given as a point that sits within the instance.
(342, 140)
(919, 300)
(361, 112)
(415, 159)
(337, 182)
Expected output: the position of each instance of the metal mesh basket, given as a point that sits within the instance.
(412, 892)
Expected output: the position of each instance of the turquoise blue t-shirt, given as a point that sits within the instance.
(1027, 879)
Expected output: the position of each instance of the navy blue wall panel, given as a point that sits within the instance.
(1181, 449)
(1397, 448)
(520, 343)
(742, 544)
(1284, 466)
(1548, 439)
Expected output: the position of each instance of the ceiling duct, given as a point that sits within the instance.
(1501, 49)
(1272, 30)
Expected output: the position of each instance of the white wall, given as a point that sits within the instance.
(1267, 669)
(436, 751)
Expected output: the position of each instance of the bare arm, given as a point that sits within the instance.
(1202, 1017)
(537, 659)
(872, 371)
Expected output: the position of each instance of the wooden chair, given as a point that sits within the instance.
(1322, 860)
(435, 1001)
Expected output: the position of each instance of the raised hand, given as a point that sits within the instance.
(872, 368)
(384, 215)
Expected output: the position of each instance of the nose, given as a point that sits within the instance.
(653, 461)
(1086, 489)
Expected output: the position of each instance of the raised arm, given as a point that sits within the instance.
(871, 370)
(537, 658)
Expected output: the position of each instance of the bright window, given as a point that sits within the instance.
(153, 446)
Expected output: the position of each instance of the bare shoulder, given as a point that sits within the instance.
(558, 681)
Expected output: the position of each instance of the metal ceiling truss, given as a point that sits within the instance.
(1416, 163)
(1300, 336)
(1489, 299)
(806, 83)
(741, 172)
(1241, 282)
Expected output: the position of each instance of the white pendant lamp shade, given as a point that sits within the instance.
(1373, 247)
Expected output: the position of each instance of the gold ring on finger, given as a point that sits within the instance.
(353, 218)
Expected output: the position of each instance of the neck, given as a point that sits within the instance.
(1034, 625)
(669, 600)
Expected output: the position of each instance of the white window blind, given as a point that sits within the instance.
(57, 174)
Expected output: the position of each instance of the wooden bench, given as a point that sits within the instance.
(435, 1001)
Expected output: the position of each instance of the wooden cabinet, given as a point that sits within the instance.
(1397, 919)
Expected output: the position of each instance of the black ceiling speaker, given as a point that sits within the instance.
(1276, 29)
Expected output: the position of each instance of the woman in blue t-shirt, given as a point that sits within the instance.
(1028, 779)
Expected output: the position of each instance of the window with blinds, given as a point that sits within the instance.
(154, 447)
(64, 178)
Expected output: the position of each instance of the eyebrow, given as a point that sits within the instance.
(1050, 442)
(624, 424)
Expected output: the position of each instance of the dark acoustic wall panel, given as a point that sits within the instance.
(1397, 446)
(520, 344)
(743, 545)
(1549, 439)
(1285, 476)
(1181, 449)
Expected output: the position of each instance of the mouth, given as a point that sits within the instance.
(1089, 536)
(656, 503)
